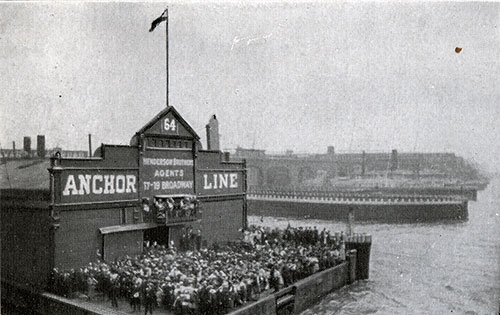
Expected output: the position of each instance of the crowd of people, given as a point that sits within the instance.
(190, 240)
(209, 280)
(167, 209)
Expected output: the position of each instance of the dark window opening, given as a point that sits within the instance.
(123, 216)
(160, 235)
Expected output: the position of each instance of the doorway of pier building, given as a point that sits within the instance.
(159, 234)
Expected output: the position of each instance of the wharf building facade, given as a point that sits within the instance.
(302, 171)
(66, 212)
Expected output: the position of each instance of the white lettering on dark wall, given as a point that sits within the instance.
(167, 184)
(169, 125)
(109, 184)
(95, 189)
(86, 184)
(220, 181)
(172, 174)
(169, 173)
(120, 184)
(167, 162)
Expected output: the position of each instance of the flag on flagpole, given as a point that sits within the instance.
(158, 20)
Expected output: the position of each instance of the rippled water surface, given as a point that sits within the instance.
(441, 268)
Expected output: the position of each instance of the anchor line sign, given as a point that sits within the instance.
(219, 182)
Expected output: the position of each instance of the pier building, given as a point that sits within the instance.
(300, 171)
(64, 212)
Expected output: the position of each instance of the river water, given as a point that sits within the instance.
(439, 268)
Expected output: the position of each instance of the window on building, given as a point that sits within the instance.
(123, 216)
(136, 215)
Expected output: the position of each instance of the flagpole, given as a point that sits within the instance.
(166, 59)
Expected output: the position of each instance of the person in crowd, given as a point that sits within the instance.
(113, 290)
(135, 293)
(169, 207)
(91, 282)
(149, 298)
(160, 205)
(188, 206)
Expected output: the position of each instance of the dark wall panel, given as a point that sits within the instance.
(222, 220)
(78, 240)
(120, 244)
(215, 159)
(111, 156)
(25, 246)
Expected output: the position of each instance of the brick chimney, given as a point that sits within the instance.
(40, 146)
(27, 145)
(213, 134)
(394, 160)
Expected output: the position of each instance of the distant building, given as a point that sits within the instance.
(299, 171)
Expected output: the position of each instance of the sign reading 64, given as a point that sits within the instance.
(170, 125)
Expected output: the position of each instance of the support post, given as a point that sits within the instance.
(166, 58)
(351, 260)
(90, 145)
(362, 244)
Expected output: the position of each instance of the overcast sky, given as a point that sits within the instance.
(360, 76)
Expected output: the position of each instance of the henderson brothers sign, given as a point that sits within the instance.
(167, 175)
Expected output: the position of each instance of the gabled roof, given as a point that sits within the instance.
(164, 113)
